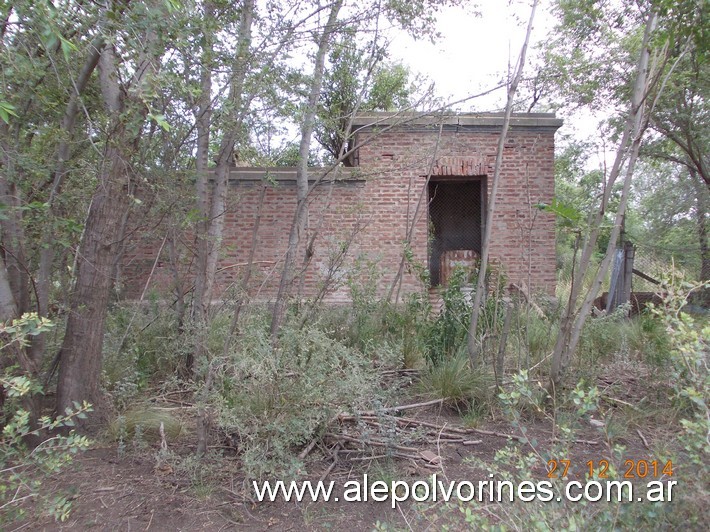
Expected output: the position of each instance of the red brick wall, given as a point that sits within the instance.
(373, 208)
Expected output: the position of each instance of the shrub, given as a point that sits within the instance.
(22, 468)
(448, 332)
(272, 401)
(142, 347)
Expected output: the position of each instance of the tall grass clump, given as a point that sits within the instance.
(453, 380)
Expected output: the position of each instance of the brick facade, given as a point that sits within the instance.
(370, 208)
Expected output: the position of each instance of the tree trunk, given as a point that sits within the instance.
(202, 185)
(212, 196)
(11, 229)
(572, 320)
(8, 308)
(479, 298)
(299, 226)
(215, 207)
(701, 217)
(80, 369)
(81, 351)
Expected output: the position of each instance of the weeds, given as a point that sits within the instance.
(22, 468)
(453, 380)
(141, 352)
(272, 402)
(268, 403)
(580, 412)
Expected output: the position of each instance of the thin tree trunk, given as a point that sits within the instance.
(212, 196)
(200, 303)
(8, 307)
(203, 124)
(409, 233)
(174, 254)
(701, 218)
(11, 228)
(215, 219)
(299, 227)
(479, 298)
(572, 322)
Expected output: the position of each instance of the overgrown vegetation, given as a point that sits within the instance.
(684, 363)
(123, 120)
(31, 449)
(267, 404)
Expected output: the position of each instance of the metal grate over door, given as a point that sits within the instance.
(455, 222)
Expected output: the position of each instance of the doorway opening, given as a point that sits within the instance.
(456, 218)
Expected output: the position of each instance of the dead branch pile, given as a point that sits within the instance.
(369, 435)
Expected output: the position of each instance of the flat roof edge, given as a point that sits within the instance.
(288, 173)
(517, 120)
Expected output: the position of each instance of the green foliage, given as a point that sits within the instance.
(453, 380)
(615, 337)
(690, 348)
(587, 61)
(448, 332)
(359, 79)
(142, 348)
(524, 396)
(387, 333)
(22, 467)
(17, 331)
(534, 335)
(670, 203)
(6, 110)
(568, 214)
(577, 194)
(270, 402)
(603, 338)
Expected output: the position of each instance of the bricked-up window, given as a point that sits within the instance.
(455, 220)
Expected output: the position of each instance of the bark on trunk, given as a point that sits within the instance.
(701, 217)
(299, 226)
(202, 185)
(80, 369)
(479, 298)
(573, 320)
(212, 196)
(80, 354)
(11, 229)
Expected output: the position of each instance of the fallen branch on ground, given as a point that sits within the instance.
(402, 407)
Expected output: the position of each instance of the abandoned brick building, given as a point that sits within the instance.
(419, 178)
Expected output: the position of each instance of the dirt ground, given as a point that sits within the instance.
(129, 489)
